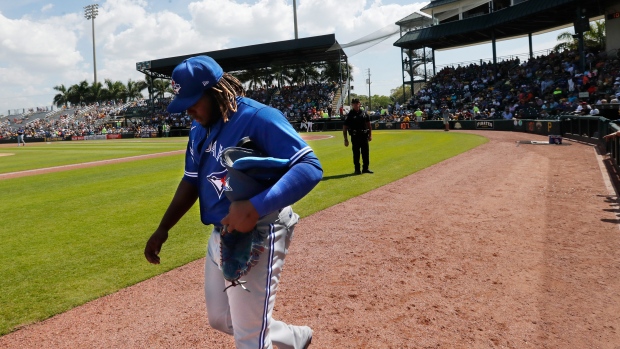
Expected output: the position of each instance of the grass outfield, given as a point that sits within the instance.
(41, 154)
(71, 237)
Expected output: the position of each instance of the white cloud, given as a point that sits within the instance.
(263, 21)
(39, 50)
(47, 7)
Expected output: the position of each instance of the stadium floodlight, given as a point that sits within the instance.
(295, 18)
(90, 12)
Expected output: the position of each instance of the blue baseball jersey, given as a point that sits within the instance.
(268, 129)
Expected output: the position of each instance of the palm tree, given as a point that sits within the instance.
(594, 38)
(134, 89)
(267, 76)
(305, 74)
(281, 74)
(334, 71)
(63, 97)
(149, 80)
(96, 92)
(311, 74)
(252, 77)
(78, 93)
(161, 87)
(114, 90)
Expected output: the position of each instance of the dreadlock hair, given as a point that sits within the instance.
(224, 93)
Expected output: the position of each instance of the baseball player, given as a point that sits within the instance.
(221, 117)
(20, 137)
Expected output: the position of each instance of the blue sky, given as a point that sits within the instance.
(47, 43)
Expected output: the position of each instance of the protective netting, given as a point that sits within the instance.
(368, 41)
(414, 21)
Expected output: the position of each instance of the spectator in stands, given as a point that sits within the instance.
(557, 93)
(405, 122)
(594, 110)
(582, 109)
(304, 123)
(418, 116)
(445, 114)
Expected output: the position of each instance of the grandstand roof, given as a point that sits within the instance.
(415, 20)
(532, 16)
(435, 3)
(298, 51)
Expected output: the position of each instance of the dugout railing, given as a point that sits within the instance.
(591, 130)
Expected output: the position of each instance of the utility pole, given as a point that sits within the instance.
(90, 12)
(368, 82)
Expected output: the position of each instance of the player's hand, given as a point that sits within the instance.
(153, 246)
(369, 138)
(242, 217)
(346, 142)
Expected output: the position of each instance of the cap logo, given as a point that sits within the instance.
(176, 87)
(205, 83)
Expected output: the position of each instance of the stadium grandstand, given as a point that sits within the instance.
(546, 85)
(319, 62)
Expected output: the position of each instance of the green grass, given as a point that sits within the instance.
(39, 155)
(71, 237)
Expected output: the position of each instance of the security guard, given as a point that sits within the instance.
(357, 124)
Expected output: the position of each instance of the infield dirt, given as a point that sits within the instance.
(503, 246)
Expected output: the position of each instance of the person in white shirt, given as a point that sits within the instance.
(594, 110)
(506, 114)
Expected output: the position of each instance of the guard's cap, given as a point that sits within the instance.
(189, 80)
(355, 100)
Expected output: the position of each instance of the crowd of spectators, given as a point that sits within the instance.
(297, 103)
(538, 88)
(542, 87)
(310, 102)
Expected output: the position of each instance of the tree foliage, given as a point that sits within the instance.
(593, 39)
(82, 93)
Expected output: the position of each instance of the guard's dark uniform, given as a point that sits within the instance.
(357, 126)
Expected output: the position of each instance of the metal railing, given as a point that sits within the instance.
(588, 129)
(344, 92)
(522, 57)
(591, 130)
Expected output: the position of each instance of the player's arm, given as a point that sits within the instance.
(298, 181)
(344, 134)
(184, 198)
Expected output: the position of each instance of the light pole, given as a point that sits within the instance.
(295, 18)
(90, 12)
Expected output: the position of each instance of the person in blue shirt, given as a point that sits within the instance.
(20, 137)
(222, 116)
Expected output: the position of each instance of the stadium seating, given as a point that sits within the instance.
(541, 87)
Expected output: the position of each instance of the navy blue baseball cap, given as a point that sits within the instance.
(190, 79)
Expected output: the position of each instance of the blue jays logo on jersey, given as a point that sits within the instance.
(212, 148)
(219, 182)
(176, 87)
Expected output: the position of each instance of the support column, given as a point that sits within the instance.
(494, 50)
(529, 36)
(346, 60)
(434, 66)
